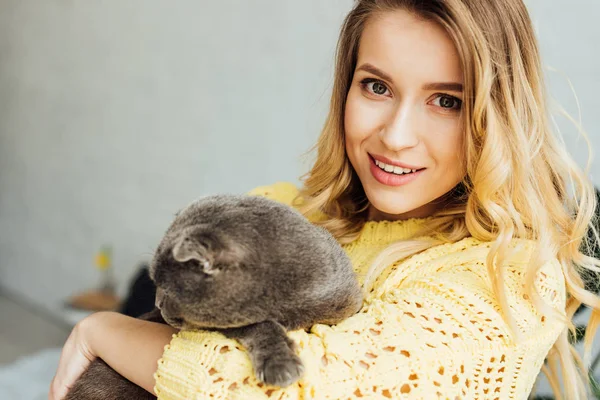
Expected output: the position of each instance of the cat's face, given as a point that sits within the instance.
(200, 273)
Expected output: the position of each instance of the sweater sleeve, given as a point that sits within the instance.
(430, 333)
(283, 192)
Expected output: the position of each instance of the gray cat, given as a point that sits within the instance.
(250, 268)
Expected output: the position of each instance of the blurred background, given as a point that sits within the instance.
(114, 114)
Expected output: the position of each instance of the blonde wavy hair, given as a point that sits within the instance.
(520, 180)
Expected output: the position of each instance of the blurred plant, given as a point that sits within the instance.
(103, 262)
(591, 282)
(594, 384)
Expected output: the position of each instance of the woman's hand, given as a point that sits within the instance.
(75, 357)
(130, 346)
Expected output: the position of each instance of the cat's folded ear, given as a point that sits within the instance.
(211, 249)
(187, 247)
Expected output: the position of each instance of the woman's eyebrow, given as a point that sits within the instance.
(375, 71)
(449, 86)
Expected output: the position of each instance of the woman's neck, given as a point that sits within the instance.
(426, 210)
(376, 215)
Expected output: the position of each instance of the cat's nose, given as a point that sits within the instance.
(160, 298)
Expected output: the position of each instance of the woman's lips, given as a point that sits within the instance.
(394, 163)
(391, 179)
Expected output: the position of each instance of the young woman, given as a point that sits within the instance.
(438, 172)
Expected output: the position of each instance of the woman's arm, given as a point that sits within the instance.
(132, 347)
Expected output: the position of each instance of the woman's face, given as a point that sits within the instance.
(404, 107)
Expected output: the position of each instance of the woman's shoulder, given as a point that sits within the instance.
(467, 259)
(280, 191)
(472, 251)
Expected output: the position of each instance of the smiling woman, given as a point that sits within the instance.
(462, 214)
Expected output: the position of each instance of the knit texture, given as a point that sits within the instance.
(432, 328)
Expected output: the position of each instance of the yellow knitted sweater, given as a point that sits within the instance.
(431, 329)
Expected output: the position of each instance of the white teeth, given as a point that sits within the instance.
(394, 169)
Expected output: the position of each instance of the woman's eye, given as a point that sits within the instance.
(377, 86)
(448, 102)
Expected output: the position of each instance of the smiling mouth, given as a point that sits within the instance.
(396, 171)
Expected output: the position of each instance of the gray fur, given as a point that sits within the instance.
(252, 268)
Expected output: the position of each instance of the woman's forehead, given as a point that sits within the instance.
(409, 49)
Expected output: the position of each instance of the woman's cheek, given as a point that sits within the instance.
(361, 117)
(445, 144)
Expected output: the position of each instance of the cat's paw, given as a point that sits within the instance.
(280, 369)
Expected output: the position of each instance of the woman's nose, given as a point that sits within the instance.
(402, 129)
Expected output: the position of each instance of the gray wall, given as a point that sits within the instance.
(113, 114)
(569, 34)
